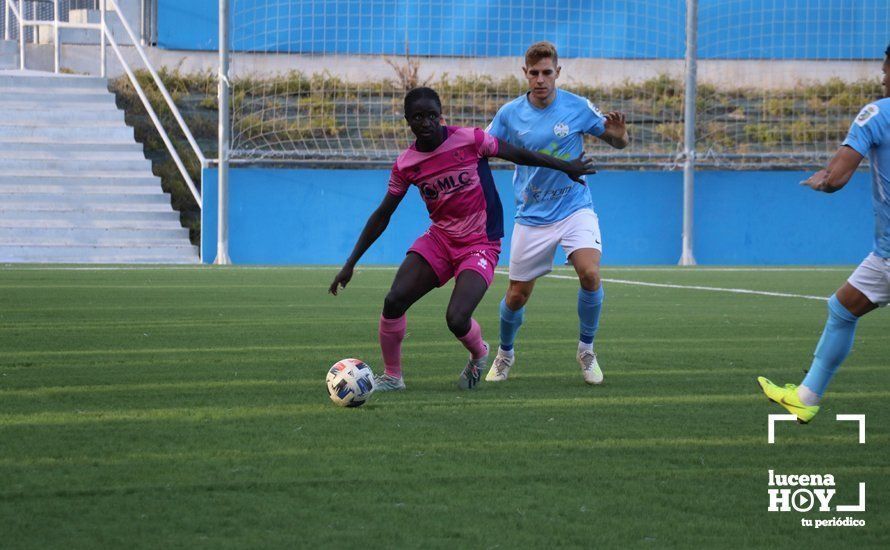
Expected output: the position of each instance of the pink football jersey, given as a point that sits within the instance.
(456, 184)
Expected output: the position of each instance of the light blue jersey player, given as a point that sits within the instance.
(551, 209)
(869, 286)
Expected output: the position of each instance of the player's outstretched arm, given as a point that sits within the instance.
(374, 227)
(839, 171)
(616, 130)
(576, 168)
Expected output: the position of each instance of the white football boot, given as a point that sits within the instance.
(589, 367)
(500, 367)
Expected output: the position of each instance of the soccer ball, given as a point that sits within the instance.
(350, 382)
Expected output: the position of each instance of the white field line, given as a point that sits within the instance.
(694, 287)
(699, 269)
(393, 268)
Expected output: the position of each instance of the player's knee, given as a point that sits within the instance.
(394, 305)
(590, 279)
(517, 297)
(458, 321)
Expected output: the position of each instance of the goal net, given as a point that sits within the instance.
(322, 81)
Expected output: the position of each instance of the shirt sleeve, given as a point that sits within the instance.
(486, 144)
(594, 121)
(496, 128)
(398, 185)
(865, 132)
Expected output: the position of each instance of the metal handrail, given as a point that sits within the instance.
(10, 5)
(106, 34)
(157, 122)
(161, 87)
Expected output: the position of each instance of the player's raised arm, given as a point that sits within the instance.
(839, 171)
(616, 130)
(576, 168)
(374, 227)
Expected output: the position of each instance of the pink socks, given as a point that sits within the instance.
(392, 332)
(473, 340)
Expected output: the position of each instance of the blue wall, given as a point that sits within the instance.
(315, 216)
(791, 29)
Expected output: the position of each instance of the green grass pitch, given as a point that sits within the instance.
(173, 408)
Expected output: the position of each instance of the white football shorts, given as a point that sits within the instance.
(872, 278)
(532, 247)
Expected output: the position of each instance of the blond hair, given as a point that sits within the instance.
(540, 50)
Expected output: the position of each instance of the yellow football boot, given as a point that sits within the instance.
(787, 397)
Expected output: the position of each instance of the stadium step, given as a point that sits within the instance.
(53, 115)
(44, 97)
(99, 133)
(110, 180)
(76, 165)
(98, 236)
(88, 218)
(94, 172)
(70, 220)
(91, 155)
(83, 189)
(26, 104)
(113, 199)
(46, 81)
(112, 254)
(75, 187)
(63, 147)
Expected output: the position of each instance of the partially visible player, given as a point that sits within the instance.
(551, 209)
(449, 166)
(869, 286)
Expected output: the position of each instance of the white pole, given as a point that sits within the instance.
(222, 233)
(56, 47)
(6, 27)
(21, 35)
(102, 19)
(687, 257)
(142, 22)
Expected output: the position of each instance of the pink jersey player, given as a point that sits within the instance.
(449, 166)
(456, 184)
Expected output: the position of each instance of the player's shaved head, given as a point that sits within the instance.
(417, 94)
(541, 50)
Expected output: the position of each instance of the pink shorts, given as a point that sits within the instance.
(448, 258)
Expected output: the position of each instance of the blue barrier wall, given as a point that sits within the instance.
(791, 29)
(751, 218)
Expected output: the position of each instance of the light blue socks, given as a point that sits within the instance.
(590, 302)
(833, 348)
(510, 323)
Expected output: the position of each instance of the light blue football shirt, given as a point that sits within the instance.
(869, 135)
(544, 196)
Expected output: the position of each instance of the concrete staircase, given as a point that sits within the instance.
(75, 187)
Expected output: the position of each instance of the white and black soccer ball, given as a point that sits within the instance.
(350, 382)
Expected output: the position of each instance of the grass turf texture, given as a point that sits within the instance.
(184, 407)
